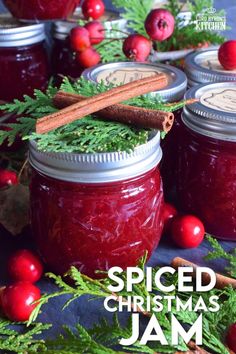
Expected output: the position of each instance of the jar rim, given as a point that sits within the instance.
(14, 33)
(198, 73)
(98, 167)
(173, 92)
(61, 29)
(206, 116)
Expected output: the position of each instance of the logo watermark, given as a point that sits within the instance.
(210, 20)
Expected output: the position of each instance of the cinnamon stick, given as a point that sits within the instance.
(137, 116)
(100, 101)
(221, 280)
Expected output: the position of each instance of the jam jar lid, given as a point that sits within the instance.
(124, 72)
(204, 67)
(214, 114)
(14, 34)
(110, 20)
(98, 167)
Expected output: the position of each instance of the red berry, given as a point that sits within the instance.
(160, 24)
(17, 300)
(96, 31)
(137, 47)
(187, 231)
(79, 39)
(25, 265)
(7, 178)
(88, 58)
(227, 55)
(93, 9)
(231, 337)
(169, 212)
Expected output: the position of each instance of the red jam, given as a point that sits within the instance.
(96, 226)
(41, 9)
(23, 69)
(206, 182)
(169, 161)
(63, 61)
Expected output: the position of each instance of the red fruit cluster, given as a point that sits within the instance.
(82, 39)
(187, 231)
(18, 299)
(159, 26)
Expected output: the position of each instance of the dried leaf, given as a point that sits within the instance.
(14, 208)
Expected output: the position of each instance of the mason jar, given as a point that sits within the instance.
(23, 59)
(124, 72)
(96, 211)
(203, 67)
(206, 182)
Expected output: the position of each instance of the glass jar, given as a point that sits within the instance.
(41, 9)
(203, 67)
(23, 59)
(95, 211)
(123, 72)
(63, 57)
(206, 180)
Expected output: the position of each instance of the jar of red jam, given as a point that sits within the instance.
(203, 67)
(207, 158)
(41, 9)
(123, 72)
(23, 59)
(63, 57)
(95, 211)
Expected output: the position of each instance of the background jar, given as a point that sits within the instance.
(41, 9)
(203, 67)
(206, 180)
(63, 58)
(95, 211)
(23, 59)
(123, 72)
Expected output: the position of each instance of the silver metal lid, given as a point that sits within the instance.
(15, 34)
(97, 167)
(214, 115)
(123, 72)
(110, 20)
(204, 67)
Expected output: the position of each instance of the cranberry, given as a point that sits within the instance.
(169, 212)
(88, 58)
(231, 337)
(96, 32)
(227, 55)
(79, 39)
(137, 47)
(93, 9)
(17, 300)
(7, 178)
(25, 265)
(159, 24)
(187, 231)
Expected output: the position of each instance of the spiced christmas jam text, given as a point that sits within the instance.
(154, 278)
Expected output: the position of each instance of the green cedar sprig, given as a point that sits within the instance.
(108, 335)
(187, 36)
(184, 36)
(87, 135)
(135, 12)
(218, 252)
(18, 341)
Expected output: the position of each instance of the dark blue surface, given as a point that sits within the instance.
(89, 312)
